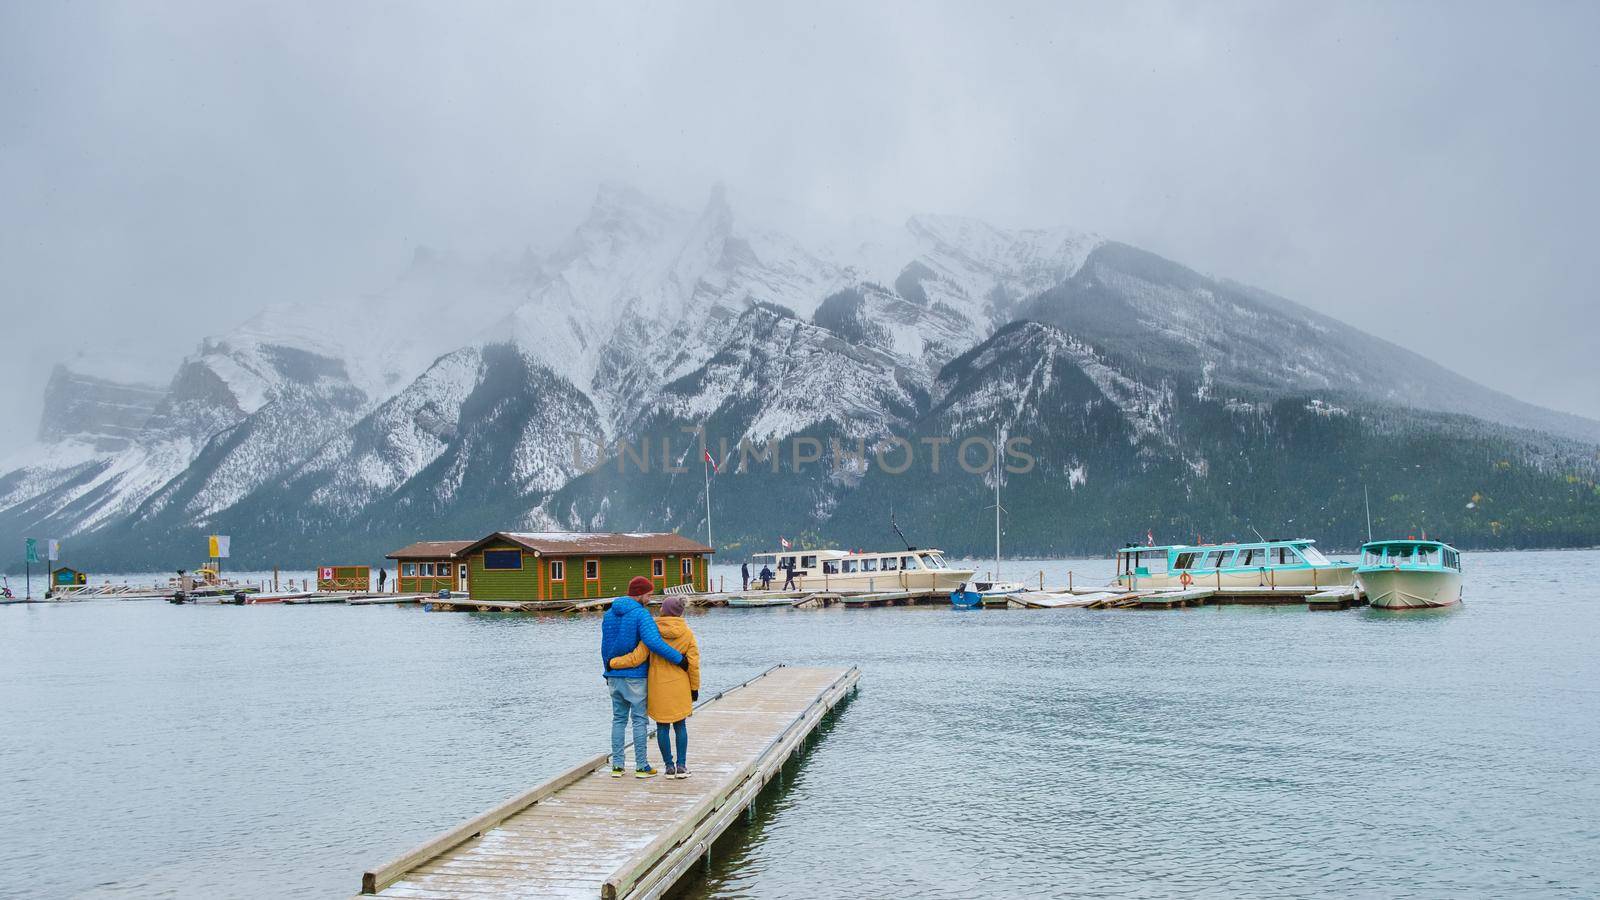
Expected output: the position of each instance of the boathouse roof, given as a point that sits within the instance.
(590, 543)
(430, 550)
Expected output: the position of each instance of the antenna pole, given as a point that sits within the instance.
(1366, 497)
(705, 466)
(997, 445)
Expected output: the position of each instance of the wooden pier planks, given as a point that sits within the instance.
(587, 834)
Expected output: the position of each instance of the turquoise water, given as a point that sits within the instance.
(222, 751)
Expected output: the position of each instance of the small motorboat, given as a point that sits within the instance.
(1410, 574)
(961, 598)
(998, 588)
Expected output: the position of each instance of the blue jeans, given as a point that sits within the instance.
(627, 702)
(663, 729)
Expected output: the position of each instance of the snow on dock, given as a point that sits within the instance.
(584, 833)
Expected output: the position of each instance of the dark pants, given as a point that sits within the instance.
(663, 729)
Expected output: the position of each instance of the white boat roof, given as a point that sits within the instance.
(842, 554)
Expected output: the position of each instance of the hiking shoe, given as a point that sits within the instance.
(616, 771)
(645, 772)
(683, 772)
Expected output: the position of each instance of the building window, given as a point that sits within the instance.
(688, 567)
(558, 570)
(591, 570)
(502, 559)
(408, 569)
(658, 568)
(427, 570)
(444, 570)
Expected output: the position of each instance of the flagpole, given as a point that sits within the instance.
(705, 466)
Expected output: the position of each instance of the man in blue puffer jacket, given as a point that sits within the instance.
(624, 626)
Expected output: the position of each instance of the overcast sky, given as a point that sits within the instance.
(1425, 171)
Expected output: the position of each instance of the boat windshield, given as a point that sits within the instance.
(933, 561)
(1313, 555)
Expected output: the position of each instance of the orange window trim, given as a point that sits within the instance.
(662, 564)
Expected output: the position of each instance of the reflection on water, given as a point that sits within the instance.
(220, 751)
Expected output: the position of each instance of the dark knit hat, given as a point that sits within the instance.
(672, 606)
(640, 586)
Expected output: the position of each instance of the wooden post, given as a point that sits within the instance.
(274, 579)
(1069, 581)
(1041, 579)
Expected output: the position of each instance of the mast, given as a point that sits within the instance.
(1368, 499)
(997, 508)
(705, 466)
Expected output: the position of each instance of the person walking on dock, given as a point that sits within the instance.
(744, 574)
(625, 626)
(766, 578)
(788, 574)
(673, 689)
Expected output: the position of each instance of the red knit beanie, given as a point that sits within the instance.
(640, 586)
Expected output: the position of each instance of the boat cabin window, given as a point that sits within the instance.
(1427, 556)
(1372, 556)
(1452, 560)
(890, 563)
(1251, 557)
(808, 562)
(908, 562)
(932, 561)
(785, 562)
(1186, 560)
(1214, 559)
(1282, 556)
(1313, 555)
(850, 566)
(830, 567)
(869, 565)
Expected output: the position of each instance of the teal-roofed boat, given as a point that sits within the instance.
(1410, 574)
(1285, 564)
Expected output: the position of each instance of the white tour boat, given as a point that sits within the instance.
(860, 570)
(1410, 574)
(1265, 564)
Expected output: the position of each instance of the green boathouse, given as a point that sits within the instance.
(567, 565)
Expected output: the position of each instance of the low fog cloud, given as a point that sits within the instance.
(1424, 171)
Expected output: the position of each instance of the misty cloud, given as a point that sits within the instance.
(1424, 172)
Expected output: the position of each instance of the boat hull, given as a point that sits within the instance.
(1315, 578)
(1392, 588)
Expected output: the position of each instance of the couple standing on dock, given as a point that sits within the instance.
(652, 665)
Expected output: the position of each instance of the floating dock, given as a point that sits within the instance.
(584, 833)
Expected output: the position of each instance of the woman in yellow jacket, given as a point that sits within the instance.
(670, 690)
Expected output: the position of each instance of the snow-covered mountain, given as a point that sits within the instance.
(450, 401)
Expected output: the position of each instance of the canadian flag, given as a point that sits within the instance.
(1149, 538)
(712, 461)
(784, 543)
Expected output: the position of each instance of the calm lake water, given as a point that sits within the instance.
(220, 751)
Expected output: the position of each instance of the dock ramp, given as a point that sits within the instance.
(586, 834)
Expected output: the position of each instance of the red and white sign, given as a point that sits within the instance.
(327, 573)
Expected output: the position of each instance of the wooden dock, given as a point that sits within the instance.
(586, 834)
